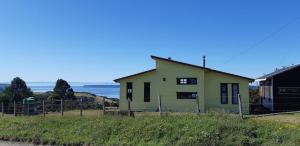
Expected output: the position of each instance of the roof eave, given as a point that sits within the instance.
(119, 79)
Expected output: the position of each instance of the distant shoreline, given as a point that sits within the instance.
(102, 86)
(111, 91)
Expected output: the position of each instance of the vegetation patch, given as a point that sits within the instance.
(206, 129)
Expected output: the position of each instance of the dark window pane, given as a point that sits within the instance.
(235, 93)
(146, 92)
(193, 81)
(187, 95)
(129, 90)
(224, 93)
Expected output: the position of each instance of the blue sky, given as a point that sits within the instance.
(100, 40)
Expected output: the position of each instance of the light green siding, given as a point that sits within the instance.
(213, 92)
(168, 89)
(138, 103)
(208, 89)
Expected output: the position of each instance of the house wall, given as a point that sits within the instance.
(208, 89)
(168, 89)
(213, 92)
(138, 103)
(290, 101)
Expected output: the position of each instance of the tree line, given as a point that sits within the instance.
(17, 91)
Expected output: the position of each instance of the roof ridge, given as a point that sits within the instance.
(279, 71)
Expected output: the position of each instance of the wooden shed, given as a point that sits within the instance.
(280, 90)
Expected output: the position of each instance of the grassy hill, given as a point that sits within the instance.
(109, 101)
(181, 129)
(98, 99)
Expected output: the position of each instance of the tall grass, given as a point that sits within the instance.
(182, 130)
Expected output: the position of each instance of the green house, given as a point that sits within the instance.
(183, 87)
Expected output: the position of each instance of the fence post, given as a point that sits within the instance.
(61, 107)
(159, 105)
(81, 107)
(240, 106)
(129, 107)
(198, 106)
(28, 108)
(14, 108)
(103, 105)
(2, 106)
(44, 108)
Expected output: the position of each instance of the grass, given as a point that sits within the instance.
(179, 129)
(293, 118)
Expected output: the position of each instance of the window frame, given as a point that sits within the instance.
(238, 92)
(186, 81)
(147, 97)
(221, 93)
(188, 98)
(129, 91)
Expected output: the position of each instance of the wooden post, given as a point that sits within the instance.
(44, 114)
(2, 109)
(14, 108)
(159, 105)
(103, 105)
(61, 107)
(240, 106)
(129, 107)
(198, 106)
(80, 107)
(28, 108)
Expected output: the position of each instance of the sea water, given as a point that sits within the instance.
(110, 90)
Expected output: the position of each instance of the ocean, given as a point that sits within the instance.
(101, 89)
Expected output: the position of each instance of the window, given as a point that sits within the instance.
(235, 93)
(224, 93)
(146, 92)
(187, 95)
(129, 90)
(186, 81)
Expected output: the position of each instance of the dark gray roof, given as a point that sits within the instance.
(279, 71)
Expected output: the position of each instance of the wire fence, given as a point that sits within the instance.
(81, 107)
(267, 108)
(84, 107)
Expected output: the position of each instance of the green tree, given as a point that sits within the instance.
(254, 96)
(17, 91)
(6, 95)
(62, 90)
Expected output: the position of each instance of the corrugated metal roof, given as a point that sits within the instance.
(279, 71)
